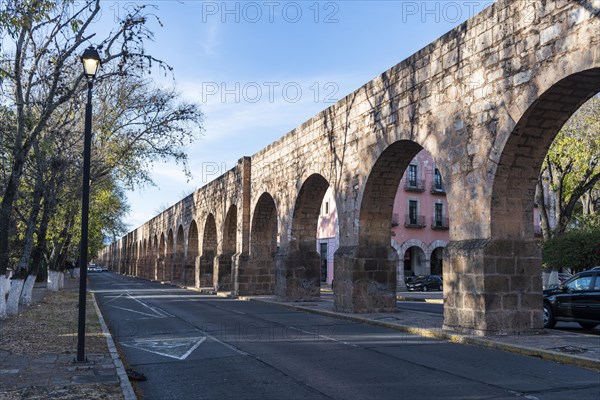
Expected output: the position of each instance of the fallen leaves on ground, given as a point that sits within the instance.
(51, 327)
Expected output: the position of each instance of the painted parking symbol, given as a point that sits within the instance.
(177, 348)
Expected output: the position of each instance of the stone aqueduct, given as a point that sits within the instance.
(486, 100)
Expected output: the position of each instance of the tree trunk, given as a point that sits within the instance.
(10, 193)
(27, 294)
(12, 305)
(55, 258)
(3, 280)
(540, 200)
(36, 205)
(54, 280)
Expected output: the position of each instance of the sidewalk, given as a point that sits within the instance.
(41, 374)
(565, 347)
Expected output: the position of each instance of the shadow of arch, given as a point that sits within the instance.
(224, 261)
(179, 256)
(143, 259)
(209, 251)
(302, 280)
(154, 258)
(191, 255)
(258, 277)
(169, 258)
(162, 254)
(435, 254)
(365, 275)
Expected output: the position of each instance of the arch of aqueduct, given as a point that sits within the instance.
(486, 100)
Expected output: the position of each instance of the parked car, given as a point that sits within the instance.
(94, 268)
(425, 283)
(577, 300)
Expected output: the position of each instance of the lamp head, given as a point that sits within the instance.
(91, 62)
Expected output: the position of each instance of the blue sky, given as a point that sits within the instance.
(259, 69)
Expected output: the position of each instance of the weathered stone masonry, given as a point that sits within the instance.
(486, 100)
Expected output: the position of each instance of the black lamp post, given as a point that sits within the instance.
(91, 61)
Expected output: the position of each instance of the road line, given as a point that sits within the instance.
(138, 312)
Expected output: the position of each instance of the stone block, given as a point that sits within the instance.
(520, 283)
(550, 33)
(497, 284)
(505, 265)
(510, 302)
(532, 301)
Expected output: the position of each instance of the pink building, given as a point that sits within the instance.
(419, 224)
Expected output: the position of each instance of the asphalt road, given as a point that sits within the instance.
(194, 346)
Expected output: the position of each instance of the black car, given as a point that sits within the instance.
(577, 300)
(425, 283)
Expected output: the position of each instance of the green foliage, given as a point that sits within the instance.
(578, 250)
(571, 169)
(589, 221)
(42, 90)
(17, 14)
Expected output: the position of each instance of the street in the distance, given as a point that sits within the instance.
(195, 346)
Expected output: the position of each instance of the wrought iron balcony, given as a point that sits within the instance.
(414, 221)
(437, 188)
(417, 185)
(440, 223)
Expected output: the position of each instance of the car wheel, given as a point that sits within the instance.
(588, 325)
(549, 320)
(440, 288)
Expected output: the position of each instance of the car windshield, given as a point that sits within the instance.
(580, 283)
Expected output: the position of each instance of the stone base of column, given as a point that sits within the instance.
(206, 271)
(256, 276)
(493, 287)
(365, 279)
(298, 276)
(222, 272)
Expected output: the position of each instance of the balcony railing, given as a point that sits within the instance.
(440, 223)
(417, 185)
(437, 188)
(414, 221)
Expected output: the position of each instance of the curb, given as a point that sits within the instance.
(126, 388)
(450, 337)
(432, 301)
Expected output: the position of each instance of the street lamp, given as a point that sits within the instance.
(91, 62)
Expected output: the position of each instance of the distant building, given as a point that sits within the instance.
(419, 224)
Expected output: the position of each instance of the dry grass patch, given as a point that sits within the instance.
(74, 392)
(51, 327)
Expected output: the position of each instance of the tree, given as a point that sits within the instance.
(577, 250)
(43, 87)
(571, 171)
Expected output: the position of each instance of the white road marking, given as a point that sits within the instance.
(138, 312)
(159, 313)
(177, 348)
